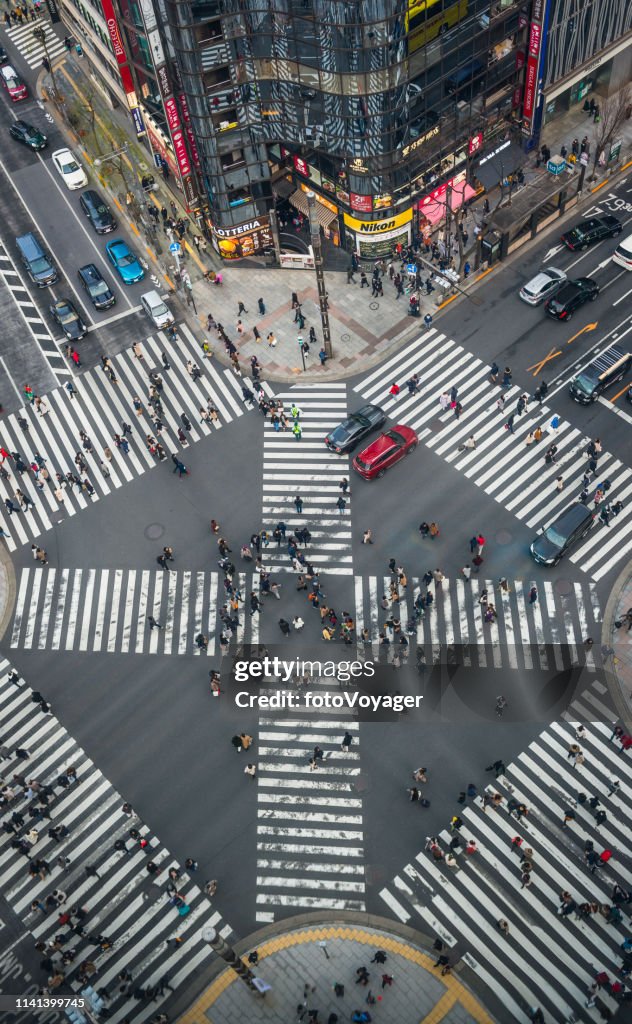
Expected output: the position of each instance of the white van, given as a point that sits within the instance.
(157, 310)
(623, 253)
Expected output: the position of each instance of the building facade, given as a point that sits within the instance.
(386, 109)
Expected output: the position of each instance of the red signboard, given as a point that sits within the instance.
(173, 117)
(475, 143)
(119, 49)
(362, 203)
(301, 166)
(180, 149)
(519, 59)
(186, 117)
(530, 87)
(535, 36)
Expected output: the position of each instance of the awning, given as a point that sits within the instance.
(283, 187)
(502, 160)
(434, 211)
(323, 215)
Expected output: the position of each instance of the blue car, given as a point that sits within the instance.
(126, 263)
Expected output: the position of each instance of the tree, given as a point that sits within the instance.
(613, 111)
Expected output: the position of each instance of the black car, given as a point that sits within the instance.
(99, 292)
(28, 135)
(66, 315)
(571, 296)
(97, 212)
(350, 432)
(592, 230)
(562, 534)
(4, 59)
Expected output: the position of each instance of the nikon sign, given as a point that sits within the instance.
(375, 238)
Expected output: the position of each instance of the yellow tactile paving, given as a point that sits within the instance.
(455, 991)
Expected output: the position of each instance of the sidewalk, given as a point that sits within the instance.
(317, 958)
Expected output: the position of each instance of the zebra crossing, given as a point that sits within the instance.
(522, 635)
(99, 408)
(308, 468)
(30, 48)
(132, 908)
(502, 465)
(310, 840)
(107, 610)
(544, 959)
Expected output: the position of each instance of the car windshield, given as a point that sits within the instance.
(584, 383)
(362, 464)
(553, 535)
(66, 314)
(160, 310)
(102, 210)
(394, 436)
(341, 432)
(71, 167)
(126, 259)
(40, 266)
(98, 288)
(578, 233)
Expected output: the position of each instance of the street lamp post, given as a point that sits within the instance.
(227, 953)
(314, 228)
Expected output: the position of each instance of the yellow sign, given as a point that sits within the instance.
(376, 227)
(320, 199)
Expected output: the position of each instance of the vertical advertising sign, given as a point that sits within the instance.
(119, 52)
(535, 55)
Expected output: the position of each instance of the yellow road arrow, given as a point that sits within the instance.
(588, 327)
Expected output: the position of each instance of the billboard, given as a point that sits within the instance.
(241, 240)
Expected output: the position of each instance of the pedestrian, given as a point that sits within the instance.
(347, 740)
(367, 537)
(341, 505)
(533, 594)
(387, 980)
(298, 503)
(284, 626)
(394, 389)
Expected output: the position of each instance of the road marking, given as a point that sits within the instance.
(538, 367)
(588, 327)
(112, 319)
(623, 296)
(11, 381)
(615, 409)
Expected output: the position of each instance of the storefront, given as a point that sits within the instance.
(372, 239)
(432, 207)
(326, 211)
(495, 165)
(601, 76)
(251, 238)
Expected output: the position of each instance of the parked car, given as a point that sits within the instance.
(381, 454)
(13, 83)
(571, 296)
(587, 232)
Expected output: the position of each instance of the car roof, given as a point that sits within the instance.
(89, 270)
(63, 152)
(541, 279)
(9, 71)
(572, 516)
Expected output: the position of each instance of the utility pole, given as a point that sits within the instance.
(314, 228)
(40, 35)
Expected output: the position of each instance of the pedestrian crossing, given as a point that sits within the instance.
(522, 636)
(99, 408)
(502, 465)
(310, 839)
(30, 48)
(127, 904)
(308, 468)
(545, 959)
(107, 610)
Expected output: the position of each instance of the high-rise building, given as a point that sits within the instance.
(386, 109)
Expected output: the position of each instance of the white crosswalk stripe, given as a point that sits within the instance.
(307, 467)
(522, 635)
(107, 610)
(126, 904)
(310, 853)
(511, 472)
(546, 959)
(31, 48)
(99, 408)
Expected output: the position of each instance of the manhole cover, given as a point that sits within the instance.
(154, 531)
(374, 305)
(504, 537)
(563, 586)
(345, 337)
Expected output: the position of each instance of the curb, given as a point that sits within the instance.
(409, 936)
(620, 698)
(8, 588)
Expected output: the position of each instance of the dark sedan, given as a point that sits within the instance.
(571, 296)
(351, 431)
(28, 135)
(65, 314)
(587, 232)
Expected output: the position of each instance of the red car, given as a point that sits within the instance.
(390, 447)
(13, 83)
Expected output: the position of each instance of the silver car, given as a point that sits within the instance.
(542, 286)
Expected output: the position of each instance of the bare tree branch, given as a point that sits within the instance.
(612, 114)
